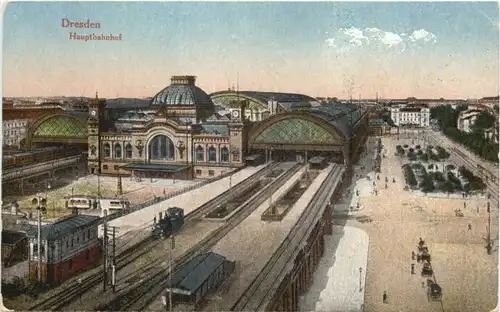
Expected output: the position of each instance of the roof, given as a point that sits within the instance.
(291, 106)
(261, 99)
(215, 129)
(158, 167)
(194, 273)
(62, 126)
(12, 237)
(340, 115)
(253, 157)
(127, 103)
(317, 160)
(182, 95)
(277, 96)
(64, 227)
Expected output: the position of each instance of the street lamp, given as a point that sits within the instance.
(488, 246)
(360, 272)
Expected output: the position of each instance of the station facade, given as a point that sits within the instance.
(182, 132)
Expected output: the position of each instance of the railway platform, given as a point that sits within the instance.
(188, 201)
(254, 242)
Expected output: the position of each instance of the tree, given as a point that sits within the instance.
(448, 187)
(424, 157)
(483, 121)
(450, 167)
(427, 184)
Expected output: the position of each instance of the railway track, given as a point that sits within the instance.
(142, 295)
(77, 287)
(249, 301)
(235, 191)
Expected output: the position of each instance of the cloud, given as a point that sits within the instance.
(350, 38)
(423, 35)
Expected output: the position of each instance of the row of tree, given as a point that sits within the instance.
(476, 141)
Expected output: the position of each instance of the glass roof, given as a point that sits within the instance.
(61, 126)
(182, 95)
(297, 131)
(225, 98)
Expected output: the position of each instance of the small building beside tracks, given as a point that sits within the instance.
(68, 246)
(195, 279)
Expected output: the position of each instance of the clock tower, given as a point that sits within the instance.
(94, 125)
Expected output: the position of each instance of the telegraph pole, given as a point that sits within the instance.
(172, 246)
(105, 249)
(39, 240)
(113, 278)
(270, 191)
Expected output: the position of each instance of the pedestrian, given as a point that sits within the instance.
(384, 297)
(470, 227)
(412, 268)
(465, 205)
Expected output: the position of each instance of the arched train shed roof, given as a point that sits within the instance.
(327, 125)
(256, 99)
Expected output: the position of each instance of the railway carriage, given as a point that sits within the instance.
(81, 202)
(33, 156)
(113, 204)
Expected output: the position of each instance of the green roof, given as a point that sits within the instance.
(156, 167)
(62, 126)
(64, 227)
(297, 131)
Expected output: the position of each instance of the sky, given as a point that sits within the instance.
(335, 49)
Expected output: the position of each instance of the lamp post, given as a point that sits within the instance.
(360, 273)
(488, 246)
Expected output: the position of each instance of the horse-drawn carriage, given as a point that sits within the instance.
(427, 269)
(434, 291)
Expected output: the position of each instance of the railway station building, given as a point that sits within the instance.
(182, 132)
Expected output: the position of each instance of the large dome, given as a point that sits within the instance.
(182, 92)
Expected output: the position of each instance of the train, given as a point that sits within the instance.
(37, 155)
(171, 222)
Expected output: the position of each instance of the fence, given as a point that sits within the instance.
(157, 199)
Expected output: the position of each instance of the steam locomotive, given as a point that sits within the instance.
(168, 224)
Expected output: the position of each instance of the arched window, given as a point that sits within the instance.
(212, 154)
(200, 154)
(107, 150)
(128, 150)
(118, 150)
(161, 147)
(224, 154)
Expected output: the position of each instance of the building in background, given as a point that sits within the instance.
(467, 118)
(411, 115)
(14, 131)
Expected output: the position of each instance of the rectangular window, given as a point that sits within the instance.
(67, 244)
(198, 172)
(105, 167)
(117, 167)
(88, 234)
(72, 242)
(211, 173)
(78, 239)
